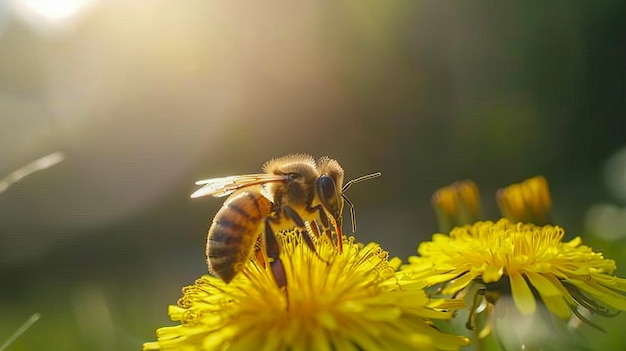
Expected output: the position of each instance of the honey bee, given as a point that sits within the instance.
(295, 192)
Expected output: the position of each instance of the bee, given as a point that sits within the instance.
(294, 192)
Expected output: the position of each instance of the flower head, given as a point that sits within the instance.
(532, 260)
(348, 301)
(524, 261)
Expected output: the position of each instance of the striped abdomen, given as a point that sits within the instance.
(234, 231)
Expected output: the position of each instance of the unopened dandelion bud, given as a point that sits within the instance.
(457, 204)
(528, 201)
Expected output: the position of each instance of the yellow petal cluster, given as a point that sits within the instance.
(355, 300)
(534, 261)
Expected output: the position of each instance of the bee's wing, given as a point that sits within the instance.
(219, 187)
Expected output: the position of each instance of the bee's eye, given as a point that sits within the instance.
(327, 190)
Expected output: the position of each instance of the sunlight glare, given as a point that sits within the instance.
(49, 15)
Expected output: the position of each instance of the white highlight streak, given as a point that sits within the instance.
(37, 165)
(29, 323)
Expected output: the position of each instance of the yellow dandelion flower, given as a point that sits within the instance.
(526, 260)
(355, 300)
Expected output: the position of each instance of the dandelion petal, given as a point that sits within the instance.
(557, 305)
(522, 296)
(543, 285)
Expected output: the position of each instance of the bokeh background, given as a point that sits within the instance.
(143, 98)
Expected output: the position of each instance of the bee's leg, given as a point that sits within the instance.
(304, 232)
(259, 251)
(278, 271)
(295, 217)
(328, 220)
(321, 214)
(339, 234)
(272, 249)
(315, 229)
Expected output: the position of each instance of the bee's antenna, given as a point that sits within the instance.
(359, 179)
(352, 212)
(345, 198)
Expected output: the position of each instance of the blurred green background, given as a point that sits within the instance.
(145, 97)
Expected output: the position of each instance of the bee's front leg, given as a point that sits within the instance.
(297, 219)
(326, 220)
(303, 230)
